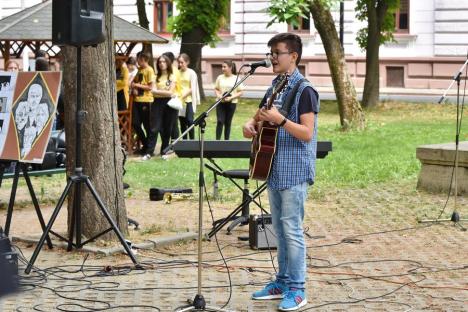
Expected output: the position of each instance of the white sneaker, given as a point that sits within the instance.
(146, 157)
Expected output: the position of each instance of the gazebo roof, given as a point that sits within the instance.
(34, 24)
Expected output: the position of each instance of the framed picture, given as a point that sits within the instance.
(30, 104)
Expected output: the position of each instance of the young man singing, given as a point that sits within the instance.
(293, 169)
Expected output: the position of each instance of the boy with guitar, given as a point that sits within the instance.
(294, 114)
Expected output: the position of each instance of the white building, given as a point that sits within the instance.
(431, 40)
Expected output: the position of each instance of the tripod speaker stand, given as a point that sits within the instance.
(77, 180)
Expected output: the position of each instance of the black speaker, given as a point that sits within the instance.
(8, 266)
(261, 232)
(78, 22)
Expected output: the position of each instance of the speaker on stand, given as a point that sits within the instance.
(78, 23)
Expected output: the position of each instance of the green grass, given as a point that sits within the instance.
(385, 152)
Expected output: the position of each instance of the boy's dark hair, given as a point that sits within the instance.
(170, 55)
(144, 55)
(42, 64)
(292, 41)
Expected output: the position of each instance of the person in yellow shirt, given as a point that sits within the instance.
(225, 110)
(164, 91)
(175, 72)
(142, 85)
(121, 81)
(189, 94)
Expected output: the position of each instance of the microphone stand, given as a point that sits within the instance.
(198, 303)
(455, 218)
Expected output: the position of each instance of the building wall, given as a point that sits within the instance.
(426, 57)
(9, 7)
(450, 27)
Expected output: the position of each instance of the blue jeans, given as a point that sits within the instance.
(287, 212)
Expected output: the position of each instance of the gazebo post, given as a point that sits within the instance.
(6, 51)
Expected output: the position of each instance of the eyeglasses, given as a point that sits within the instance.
(275, 55)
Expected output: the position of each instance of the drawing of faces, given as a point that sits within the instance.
(42, 115)
(35, 94)
(28, 139)
(21, 115)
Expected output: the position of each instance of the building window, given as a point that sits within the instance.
(303, 26)
(163, 9)
(402, 17)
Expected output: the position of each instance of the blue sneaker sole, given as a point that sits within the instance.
(269, 297)
(300, 305)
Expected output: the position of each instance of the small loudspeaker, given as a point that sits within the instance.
(261, 232)
(78, 22)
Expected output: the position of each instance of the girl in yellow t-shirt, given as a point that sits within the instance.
(189, 94)
(142, 85)
(225, 110)
(164, 91)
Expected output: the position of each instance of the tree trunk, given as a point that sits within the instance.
(351, 115)
(376, 15)
(101, 152)
(144, 23)
(192, 46)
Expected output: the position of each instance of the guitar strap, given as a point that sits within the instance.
(288, 102)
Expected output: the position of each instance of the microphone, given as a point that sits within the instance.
(264, 63)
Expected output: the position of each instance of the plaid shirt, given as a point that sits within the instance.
(294, 161)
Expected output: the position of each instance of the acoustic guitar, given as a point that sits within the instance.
(264, 143)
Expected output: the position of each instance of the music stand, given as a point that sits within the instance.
(199, 303)
(455, 218)
(77, 180)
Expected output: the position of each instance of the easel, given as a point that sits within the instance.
(24, 168)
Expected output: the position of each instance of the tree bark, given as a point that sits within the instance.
(144, 23)
(351, 115)
(192, 46)
(101, 152)
(377, 10)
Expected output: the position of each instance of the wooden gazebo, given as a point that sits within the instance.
(32, 28)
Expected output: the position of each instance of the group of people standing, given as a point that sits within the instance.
(153, 113)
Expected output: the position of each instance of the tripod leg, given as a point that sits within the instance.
(225, 221)
(49, 226)
(239, 208)
(36, 203)
(12, 199)
(75, 222)
(111, 222)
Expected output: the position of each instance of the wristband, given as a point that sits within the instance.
(283, 122)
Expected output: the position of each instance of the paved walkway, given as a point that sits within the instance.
(366, 253)
(386, 94)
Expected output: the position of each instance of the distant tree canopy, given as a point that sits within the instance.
(387, 23)
(208, 15)
(197, 25)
